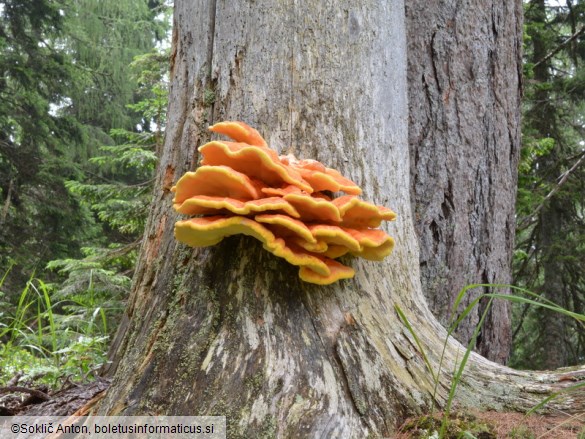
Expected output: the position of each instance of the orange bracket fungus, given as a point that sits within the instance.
(244, 187)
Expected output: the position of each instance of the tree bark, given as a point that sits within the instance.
(231, 330)
(464, 133)
(6, 206)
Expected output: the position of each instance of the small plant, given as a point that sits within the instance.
(528, 298)
(458, 426)
(521, 432)
(39, 341)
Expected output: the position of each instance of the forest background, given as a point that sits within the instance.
(83, 95)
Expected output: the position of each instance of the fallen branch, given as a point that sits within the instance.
(19, 389)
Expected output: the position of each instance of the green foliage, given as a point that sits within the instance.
(69, 87)
(92, 297)
(119, 189)
(50, 340)
(96, 285)
(36, 208)
(83, 97)
(124, 29)
(458, 426)
(550, 239)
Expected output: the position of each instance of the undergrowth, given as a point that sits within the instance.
(447, 428)
(49, 337)
(459, 425)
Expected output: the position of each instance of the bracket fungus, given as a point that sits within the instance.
(244, 187)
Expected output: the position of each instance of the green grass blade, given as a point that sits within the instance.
(49, 313)
(8, 270)
(459, 373)
(552, 307)
(406, 323)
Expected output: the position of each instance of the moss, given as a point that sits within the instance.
(208, 97)
(457, 425)
(255, 382)
(521, 432)
(221, 408)
(267, 429)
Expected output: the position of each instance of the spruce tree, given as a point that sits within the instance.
(550, 255)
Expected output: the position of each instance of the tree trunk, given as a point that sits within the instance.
(464, 134)
(231, 330)
(6, 206)
(553, 344)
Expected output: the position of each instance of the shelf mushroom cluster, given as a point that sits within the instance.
(245, 187)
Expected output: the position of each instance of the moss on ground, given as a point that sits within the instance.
(459, 425)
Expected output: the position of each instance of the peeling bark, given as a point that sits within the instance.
(231, 330)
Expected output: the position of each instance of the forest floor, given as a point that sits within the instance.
(481, 425)
(496, 425)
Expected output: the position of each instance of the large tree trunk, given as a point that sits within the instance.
(231, 330)
(464, 134)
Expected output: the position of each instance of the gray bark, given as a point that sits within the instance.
(464, 134)
(231, 330)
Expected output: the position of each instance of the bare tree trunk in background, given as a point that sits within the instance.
(464, 134)
(552, 344)
(6, 206)
(231, 330)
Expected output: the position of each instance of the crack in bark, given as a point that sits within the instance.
(434, 52)
(345, 378)
(291, 72)
(210, 51)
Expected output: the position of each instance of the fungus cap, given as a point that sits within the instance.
(335, 235)
(244, 187)
(290, 225)
(359, 213)
(207, 205)
(211, 230)
(255, 161)
(240, 132)
(314, 209)
(219, 181)
(337, 271)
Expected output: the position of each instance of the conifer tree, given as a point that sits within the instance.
(550, 255)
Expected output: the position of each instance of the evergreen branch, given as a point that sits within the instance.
(141, 184)
(528, 244)
(548, 56)
(563, 178)
(118, 252)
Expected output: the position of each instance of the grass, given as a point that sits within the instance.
(49, 341)
(529, 298)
